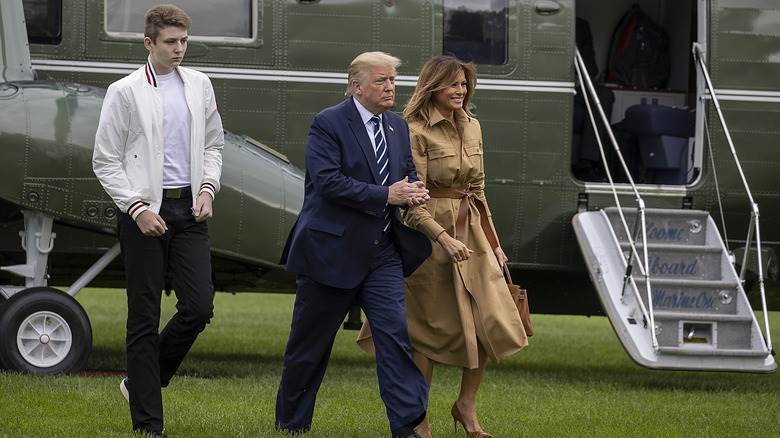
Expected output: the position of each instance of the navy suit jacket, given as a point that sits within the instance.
(335, 237)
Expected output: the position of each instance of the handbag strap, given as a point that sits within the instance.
(507, 275)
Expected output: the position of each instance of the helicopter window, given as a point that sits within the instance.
(224, 19)
(476, 30)
(44, 21)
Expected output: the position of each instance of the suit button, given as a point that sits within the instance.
(376, 242)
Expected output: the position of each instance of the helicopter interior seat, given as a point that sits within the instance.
(585, 157)
(663, 137)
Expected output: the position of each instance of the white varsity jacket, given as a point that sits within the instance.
(128, 156)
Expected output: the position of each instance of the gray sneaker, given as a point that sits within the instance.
(123, 389)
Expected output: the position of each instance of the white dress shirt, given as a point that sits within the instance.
(366, 116)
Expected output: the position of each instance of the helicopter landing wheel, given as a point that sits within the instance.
(44, 331)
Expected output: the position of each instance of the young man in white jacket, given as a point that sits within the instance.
(158, 154)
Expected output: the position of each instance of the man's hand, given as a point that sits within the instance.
(151, 224)
(405, 193)
(202, 210)
(456, 249)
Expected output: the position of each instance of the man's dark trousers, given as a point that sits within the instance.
(153, 359)
(318, 314)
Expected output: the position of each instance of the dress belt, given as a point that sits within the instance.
(179, 193)
(464, 193)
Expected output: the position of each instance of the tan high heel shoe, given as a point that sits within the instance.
(457, 417)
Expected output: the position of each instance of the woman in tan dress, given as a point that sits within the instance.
(459, 309)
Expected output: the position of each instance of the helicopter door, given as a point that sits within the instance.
(638, 56)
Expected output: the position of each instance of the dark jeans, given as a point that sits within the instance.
(317, 316)
(152, 358)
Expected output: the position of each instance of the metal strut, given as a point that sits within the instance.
(37, 242)
(94, 270)
(754, 227)
(640, 225)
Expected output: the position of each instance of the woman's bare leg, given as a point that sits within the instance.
(467, 399)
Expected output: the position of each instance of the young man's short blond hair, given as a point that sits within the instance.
(363, 63)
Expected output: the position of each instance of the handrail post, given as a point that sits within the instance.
(646, 262)
(698, 56)
(580, 67)
(726, 132)
(748, 243)
(761, 288)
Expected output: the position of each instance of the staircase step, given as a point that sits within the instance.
(691, 316)
(688, 262)
(687, 227)
(694, 299)
(702, 214)
(712, 352)
(709, 284)
(651, 247)
(694, 296)
(716, 331)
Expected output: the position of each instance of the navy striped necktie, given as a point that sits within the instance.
(382, 163)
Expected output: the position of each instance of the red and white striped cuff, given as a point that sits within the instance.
(208, 188)
(136, 208)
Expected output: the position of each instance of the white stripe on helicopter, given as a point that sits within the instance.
(340, 78)
(291, 76)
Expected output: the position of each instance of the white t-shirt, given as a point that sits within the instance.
(177, 123)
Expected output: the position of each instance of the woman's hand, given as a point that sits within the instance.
(500, 256)
(456, 249)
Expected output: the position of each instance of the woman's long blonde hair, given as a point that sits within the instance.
(437, 74)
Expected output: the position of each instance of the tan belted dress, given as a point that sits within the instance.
(453, 307)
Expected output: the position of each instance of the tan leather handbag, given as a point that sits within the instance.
(520, 297)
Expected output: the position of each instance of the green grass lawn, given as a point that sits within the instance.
(574, 380)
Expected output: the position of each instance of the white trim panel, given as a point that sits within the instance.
(746, 95)
(649, 190)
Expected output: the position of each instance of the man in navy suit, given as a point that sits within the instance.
(349, 244)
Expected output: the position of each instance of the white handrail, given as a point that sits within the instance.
(698, 55)
(584, 78)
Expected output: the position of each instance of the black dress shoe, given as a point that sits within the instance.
(292, 432)
(151, 433)
(408, 430)
(406, 434)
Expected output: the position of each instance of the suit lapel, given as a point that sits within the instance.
(361, 135)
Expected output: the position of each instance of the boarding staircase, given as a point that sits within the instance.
(667, 280)
(702, 318)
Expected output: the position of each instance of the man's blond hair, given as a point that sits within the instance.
(363, 63)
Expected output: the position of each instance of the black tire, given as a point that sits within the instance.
(26, 303)
(2, 308)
